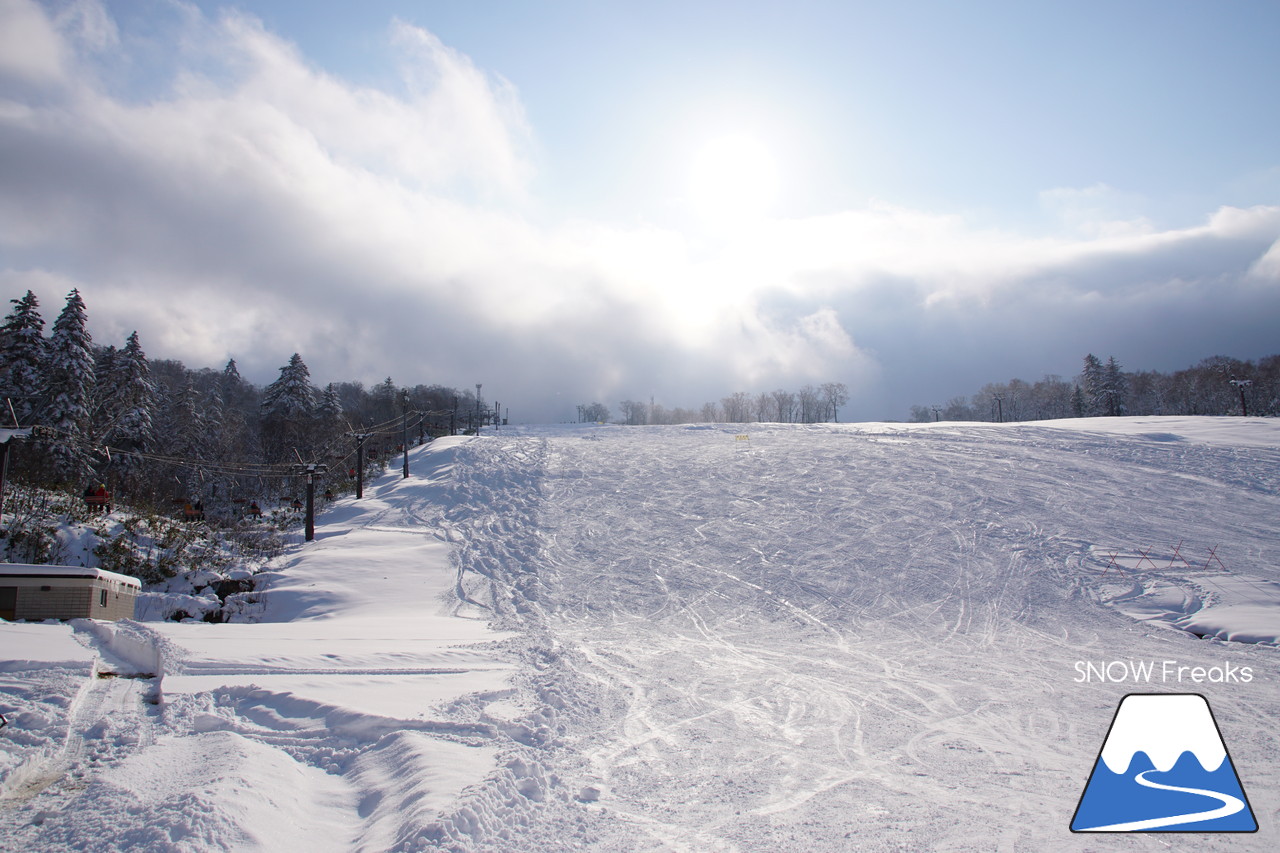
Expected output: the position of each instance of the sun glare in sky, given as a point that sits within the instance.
(584, 201)
(733, 178)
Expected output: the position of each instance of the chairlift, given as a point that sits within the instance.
(98, 498)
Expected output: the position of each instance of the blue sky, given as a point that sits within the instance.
(964, 106)
(596, 201)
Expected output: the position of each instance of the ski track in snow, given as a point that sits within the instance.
(830, 637)
(825, 639)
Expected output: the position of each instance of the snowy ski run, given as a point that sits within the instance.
(701, 638)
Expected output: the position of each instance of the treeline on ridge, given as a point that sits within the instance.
(158, 432)
(1219, 385)
(811, 404)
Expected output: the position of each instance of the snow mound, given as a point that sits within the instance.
(211, 791)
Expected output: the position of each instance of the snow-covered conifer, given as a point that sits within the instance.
(1093, 381)
(291, 396)
(1116, 385)
(386, 401)
(182, 423)
(288, 409)
(133, 397)
(330, 405)
(71, 384)
(22, 357)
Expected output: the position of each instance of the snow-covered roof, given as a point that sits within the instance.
(26, 570)
(6, 434)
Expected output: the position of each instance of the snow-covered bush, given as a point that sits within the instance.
(191, 569)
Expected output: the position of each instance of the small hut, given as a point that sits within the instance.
(65, 592)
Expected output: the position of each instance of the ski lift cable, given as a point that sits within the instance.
(250, 469)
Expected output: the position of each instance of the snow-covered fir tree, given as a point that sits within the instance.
(70, 388)
(135, 397)
(330, 410)
(237, 394)
(1116, 387)
(182, 423)
(238, 441)
(386, 401)
(288, 413)
(1093, 381)
(22, 358)
(291, 396)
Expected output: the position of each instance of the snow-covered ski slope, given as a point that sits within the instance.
(754, 638)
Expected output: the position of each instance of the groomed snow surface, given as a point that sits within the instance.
(704, 638)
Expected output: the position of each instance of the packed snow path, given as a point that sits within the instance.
(836, 638)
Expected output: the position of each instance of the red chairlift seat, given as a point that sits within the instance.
(98, 498)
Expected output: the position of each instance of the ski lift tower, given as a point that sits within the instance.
(310, 471)
(1242, 384)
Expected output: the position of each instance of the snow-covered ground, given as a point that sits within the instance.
(756, 638)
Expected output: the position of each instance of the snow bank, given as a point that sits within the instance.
(128, 647)
(406, 782)
(211, 791)
(1241, 623)
(26, 646)
(1223, 431)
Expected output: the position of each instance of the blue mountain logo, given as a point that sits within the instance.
(1164, 767)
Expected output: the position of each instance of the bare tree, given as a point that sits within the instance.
(634, 412)
(785, 402)
(810, 405)
(835, 394)
(593, 413)
(764, 408)
(737, 407)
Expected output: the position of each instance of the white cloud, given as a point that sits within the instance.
(1267, 267)
(262, 206)
(88, 23)
(30, 47)
(1097, 211)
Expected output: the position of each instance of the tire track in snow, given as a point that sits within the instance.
(108, 720)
